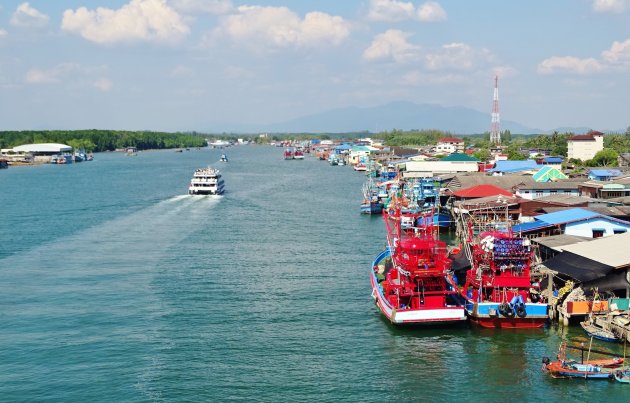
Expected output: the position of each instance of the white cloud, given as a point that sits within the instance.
(137, 21)
(3, 33)
(431, 12)
(203, 6)
(27, 16)
(618, 54)
(609, 6)
(39, 76)
(103, 84)
(390, 10)
(570, 64)
(395, 10)
(456, 56)
(392, 44)
(256, 26)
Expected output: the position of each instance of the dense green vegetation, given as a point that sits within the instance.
(103, 140)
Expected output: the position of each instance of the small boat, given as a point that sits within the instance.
(622, 376)
(585, 369)
(4, 164)
(288, 154)
(206, 181)
(360, 167)
(132, 151)
(598, 332)
(224, 158)
(298, 155)
(410, 279)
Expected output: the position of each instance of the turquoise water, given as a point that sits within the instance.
(117, 286)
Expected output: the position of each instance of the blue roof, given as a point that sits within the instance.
(529, 226)
(569, 215)
(553, 160)
(605, 172)
(343, 147)
(514, 166)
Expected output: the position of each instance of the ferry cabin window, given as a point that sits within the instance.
(598, 233)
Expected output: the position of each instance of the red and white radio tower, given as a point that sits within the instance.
(495, 129)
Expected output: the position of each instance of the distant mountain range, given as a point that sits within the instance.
(396, 115)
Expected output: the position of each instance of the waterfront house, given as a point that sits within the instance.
(594, 264)
(603, 174)
(42, 152)
(585, 146)
(574, 221)
(534, 190)
(617, 187)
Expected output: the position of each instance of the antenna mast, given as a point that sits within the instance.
(495, 129)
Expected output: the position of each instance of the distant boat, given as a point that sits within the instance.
(224, 158)
(206, 181)
(132, 151)
(219, 144)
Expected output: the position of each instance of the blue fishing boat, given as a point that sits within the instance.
(598, 332)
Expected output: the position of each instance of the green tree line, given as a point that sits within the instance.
(103, 140)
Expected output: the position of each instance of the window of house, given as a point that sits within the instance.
(598, 232)
(619, 231)
(539, 193)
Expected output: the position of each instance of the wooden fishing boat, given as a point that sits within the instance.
(622, 376)
(598, 332)
(585, 369)
(499, 291)
(410, 278)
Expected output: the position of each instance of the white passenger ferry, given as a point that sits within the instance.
(206, 181)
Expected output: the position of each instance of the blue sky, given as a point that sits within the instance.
(216, 65)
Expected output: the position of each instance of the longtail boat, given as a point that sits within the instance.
(563, 367)
(499, 291)
(410, 279)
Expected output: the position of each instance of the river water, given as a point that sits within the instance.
(115, 285)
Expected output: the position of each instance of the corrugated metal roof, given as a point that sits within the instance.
(565, 216)
(557, 242)
(513, 166)
(604, 250)
(605, 172)
(530, 226)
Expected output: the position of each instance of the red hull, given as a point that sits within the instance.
(513, 323)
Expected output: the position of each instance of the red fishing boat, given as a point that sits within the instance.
(499, 291)
(410, 279)
(288, 154)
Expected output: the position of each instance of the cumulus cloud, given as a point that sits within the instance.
(103, 84)
(395, 10)
(456, 56)
(618, 54)
(609, 6)
(392, 45)
(570, 64)
(137, 21)
(27, 16)
(203, 6)
(431, 12)
(279, 27)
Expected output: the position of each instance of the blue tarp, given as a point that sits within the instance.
(552, 160)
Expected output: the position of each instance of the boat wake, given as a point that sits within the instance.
(141, 238)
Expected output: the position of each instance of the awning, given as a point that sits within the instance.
(617, 280)
(578, 267)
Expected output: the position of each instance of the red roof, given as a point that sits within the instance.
(450, 140)
(485, 167)
(583, 137)
(481, 191)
